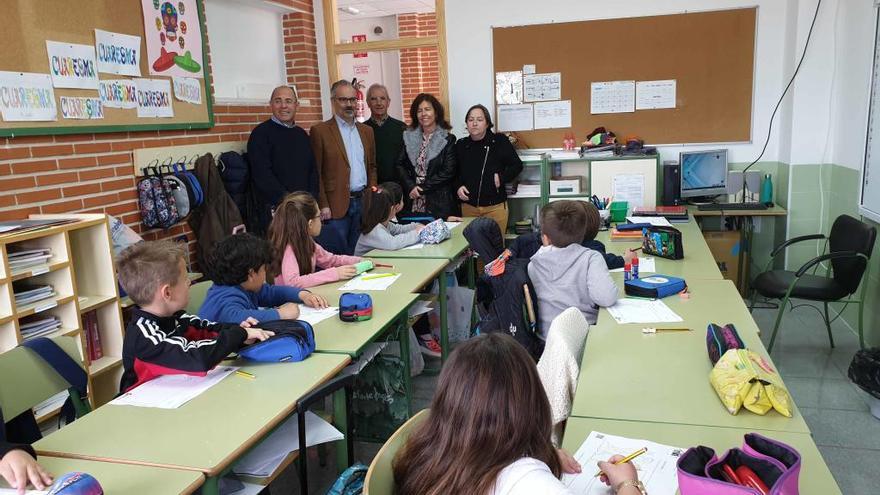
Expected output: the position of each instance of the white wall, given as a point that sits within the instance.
(469, 42)
(246, 50)
(384, 67)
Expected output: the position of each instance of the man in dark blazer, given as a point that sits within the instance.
(345, 155)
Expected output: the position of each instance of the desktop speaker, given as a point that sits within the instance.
(671, 195)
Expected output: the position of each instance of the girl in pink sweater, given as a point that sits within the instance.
(299, 260)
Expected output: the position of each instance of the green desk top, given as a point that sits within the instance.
(447, 250)
(664, 377)
(698, 261)
(815, 478)
(122, 478)
(337, 336)
(206, 434)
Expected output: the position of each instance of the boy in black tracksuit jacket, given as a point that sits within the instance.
(160, 338)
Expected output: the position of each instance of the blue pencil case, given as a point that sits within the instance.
(655, 286)
(632, 226)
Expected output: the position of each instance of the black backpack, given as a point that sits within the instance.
(503, 302)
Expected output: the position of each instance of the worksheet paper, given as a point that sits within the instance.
(642, 311)
(612, 97)
(656, 467)
(172, 391)
(651, 95)
(452, 225)
(314, 316)
(358, 283)
(655, 221)
(515, 117)
(508, 88)
(646, 265)
(553, 115)
(629, 188)
(417, 245)
(542, 87)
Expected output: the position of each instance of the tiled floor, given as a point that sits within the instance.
(835, 410)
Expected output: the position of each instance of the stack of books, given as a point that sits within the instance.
(93, 336)
(598, 151)
(671, 213)
(626, 235)
(28, 257)
(523, 227)
(29, 294)
(39, 327)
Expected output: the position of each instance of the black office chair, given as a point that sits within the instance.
(849, 251)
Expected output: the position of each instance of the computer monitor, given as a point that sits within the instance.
(703, 173)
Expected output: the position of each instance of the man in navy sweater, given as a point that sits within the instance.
(279, 152)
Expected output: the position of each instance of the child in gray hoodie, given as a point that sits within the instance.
(564, 272)
(378, 231)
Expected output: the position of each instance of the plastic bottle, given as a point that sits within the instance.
(767, 190)
(635, 268)
(627, 272)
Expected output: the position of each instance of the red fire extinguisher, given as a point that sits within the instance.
(361, 108)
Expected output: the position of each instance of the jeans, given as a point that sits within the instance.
(340, 235)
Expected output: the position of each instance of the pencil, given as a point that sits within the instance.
(378, 275)
(626, 459)
(245, 374)
(382, 265)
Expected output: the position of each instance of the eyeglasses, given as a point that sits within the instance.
(345, 100)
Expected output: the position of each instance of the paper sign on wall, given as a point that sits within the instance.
(508, 88)
(118, 53)
(188, 89)
(629, 188)
(529, 69)
(542, 87)
(655, 94)
(612, 97)
(515, 117)
(173, 35)
(26, 97)
(81, 108)
(154, 98)
(553, 114)
(118, 93)
(72, 66)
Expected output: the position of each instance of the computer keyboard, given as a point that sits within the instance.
(731, 206)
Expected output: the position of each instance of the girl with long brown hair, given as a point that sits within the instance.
(298, 260)
(488, 432)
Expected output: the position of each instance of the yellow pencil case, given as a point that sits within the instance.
(742, 378)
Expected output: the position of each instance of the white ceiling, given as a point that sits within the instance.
(381, 8)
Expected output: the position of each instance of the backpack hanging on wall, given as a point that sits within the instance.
(155, 201)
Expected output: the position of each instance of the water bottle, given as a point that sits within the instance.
(767, 190)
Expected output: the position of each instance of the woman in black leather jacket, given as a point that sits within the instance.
(427, 166)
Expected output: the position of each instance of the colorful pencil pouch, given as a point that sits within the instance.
(721, 339)
(664, 242)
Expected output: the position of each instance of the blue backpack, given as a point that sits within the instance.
(294, 340)
(350, 482)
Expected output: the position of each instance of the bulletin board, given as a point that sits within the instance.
(710, 55)
(23, 40)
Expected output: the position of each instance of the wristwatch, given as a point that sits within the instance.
(633, 483)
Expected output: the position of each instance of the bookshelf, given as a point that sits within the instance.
(80, 271)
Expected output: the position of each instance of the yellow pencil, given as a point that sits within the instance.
(245, 374)
(378, 275)
(626, 459)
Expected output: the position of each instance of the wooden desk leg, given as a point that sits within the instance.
(444, 329)
(403, 337)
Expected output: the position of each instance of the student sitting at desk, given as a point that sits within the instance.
(160, 338)
(526, 245)
(238, 268)
(488, 431)
(18, 466)
(564, 272)
(299, 260)
(381, 205)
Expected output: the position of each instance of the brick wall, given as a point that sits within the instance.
(94, 173)
(419, 67)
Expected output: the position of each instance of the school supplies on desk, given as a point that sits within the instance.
(742, 378)
(355, 307)
(652, 221)
(651, 330)
(363, 266)
(633, 226)
(294, 340)
(367, 282)
(655, 286)
(315, 316)
(657, 467)
(626, 459)
(626, 235)
(646, 265)
(172, 391)
(664, 242)
(642, 311)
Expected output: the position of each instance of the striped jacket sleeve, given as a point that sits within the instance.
(196, 345)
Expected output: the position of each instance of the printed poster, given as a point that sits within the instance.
(173, 35)
(359, 38)
(81, 108)
(154, 98)
(118, 53)
(72, 66)
(27, 97)
(118, 93)
(542, 87)
(188, 89)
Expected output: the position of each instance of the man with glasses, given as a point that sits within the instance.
(280, 155)
(345, 154)
(388, 132)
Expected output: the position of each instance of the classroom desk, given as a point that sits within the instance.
(126, 479)
(664, 377)
(207, 434)
(449, 250)
(815, 478)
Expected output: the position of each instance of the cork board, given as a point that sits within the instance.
(709, 54)
(24, 50)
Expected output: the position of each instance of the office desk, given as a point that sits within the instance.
(449, 250)
(208, 434)
(815, 478)
(664, 377)
(126, 479)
